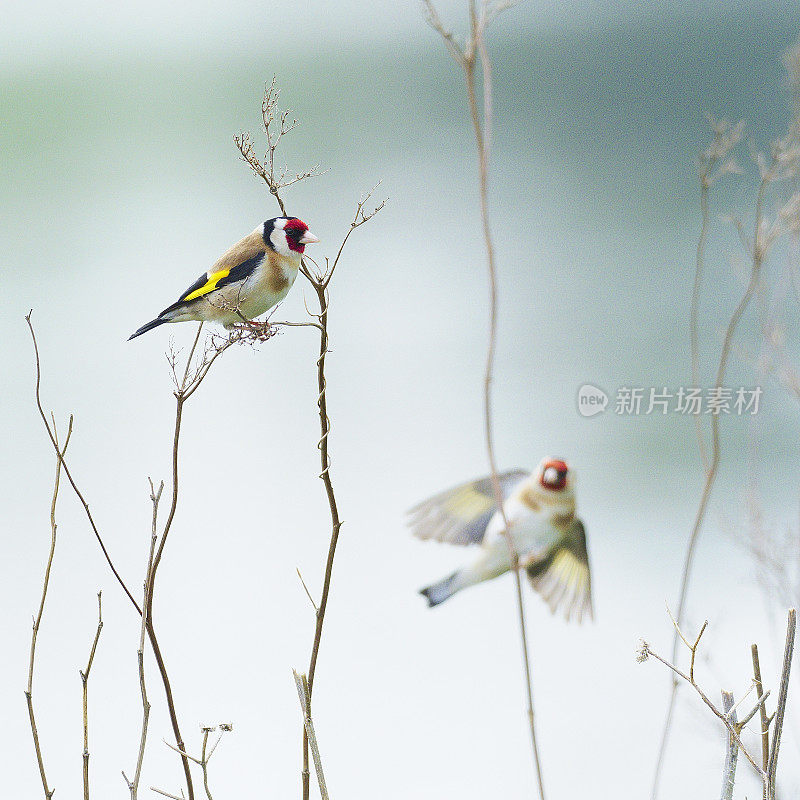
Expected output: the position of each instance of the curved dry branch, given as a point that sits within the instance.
(465, 57)
(72, 483)
(192, 377)
(48, 792)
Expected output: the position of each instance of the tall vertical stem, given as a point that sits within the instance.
(483, 140)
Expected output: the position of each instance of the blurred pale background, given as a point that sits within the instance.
(120, 183)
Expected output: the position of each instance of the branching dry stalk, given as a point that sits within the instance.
(205, 755)
(467, 57)
(185, 387)
(186, 384)
(85, 685)
(276, 126)
(48, 792)
(767, 770)
(714, 163)
(781, 165)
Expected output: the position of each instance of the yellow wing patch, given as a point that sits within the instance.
(467, 503)
(208, 286)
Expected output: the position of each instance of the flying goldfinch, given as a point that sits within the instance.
(253, 276)
(549, 539)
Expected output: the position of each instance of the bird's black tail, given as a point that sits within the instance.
(439, 592)
(148, 327)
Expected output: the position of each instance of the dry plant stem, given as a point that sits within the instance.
(85, 682)
(183, 391)
(48, 793)
(731, 750)
(695, 310)
(185, 387)
(711, 474)
(732, 729)
(72, 483)
(265, 168)
(167, 794)
(780, 711)
(766, 773)
(319, 281)
(325, 426)
(759, 687)
(204, 763)
(133, 785)
(205, 757)
(466, 59)
(301, 682)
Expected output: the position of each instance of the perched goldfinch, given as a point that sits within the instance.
(549, 539)
(253, 276)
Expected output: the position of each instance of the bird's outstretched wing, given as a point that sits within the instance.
(562, 577)
(460, 515)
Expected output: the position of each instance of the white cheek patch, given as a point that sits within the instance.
(550, 476)
(278, 239)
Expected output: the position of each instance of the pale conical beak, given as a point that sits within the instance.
(308, 238)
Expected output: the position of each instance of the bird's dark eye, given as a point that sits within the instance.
(294, 231)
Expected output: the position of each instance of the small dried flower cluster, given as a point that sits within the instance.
(714, 161)
(265, 168)
(642, 652)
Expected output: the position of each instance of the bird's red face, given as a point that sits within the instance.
(554, 474)
(298, 235)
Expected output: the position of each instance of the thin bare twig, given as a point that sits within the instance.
(205, 754)
(731, 750)
(193, 376)
(276, 125)
(465, 57)
(764, 732)
(48, 792)
(645, 651)
(308, 593)
(772, 766)
(768, 769)
(180, 796)
(133, 785)
(755, 709)
(714, 162)
(75, 488)
(757, 254)
(85, 684)
(204, 760)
